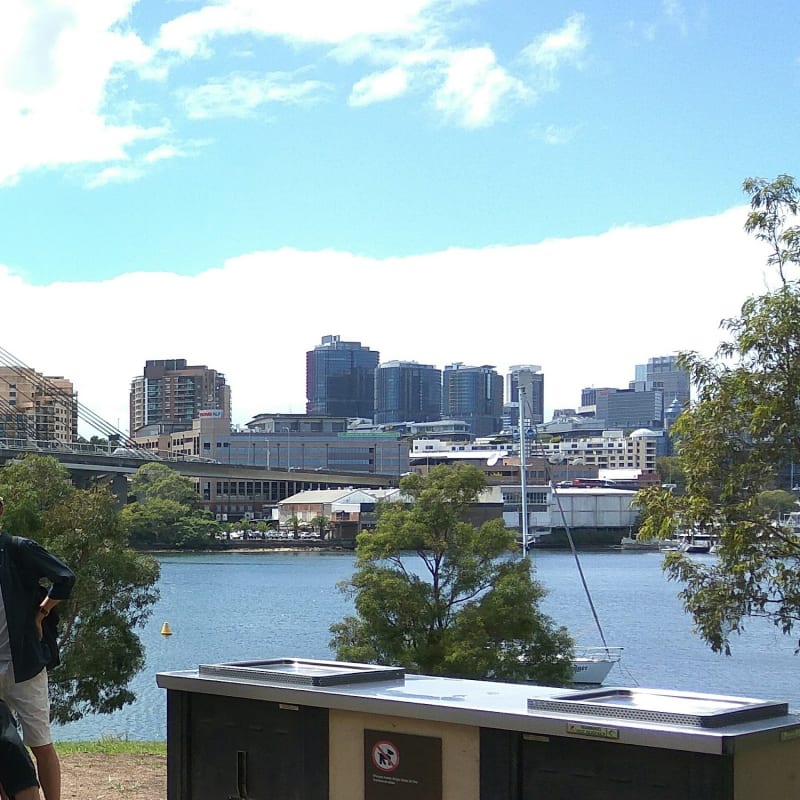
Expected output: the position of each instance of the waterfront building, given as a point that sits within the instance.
(406, 391)
(37, 408)
(340, 379)
(611, 450)
(171, 394)
(347, 511)
(475, 395)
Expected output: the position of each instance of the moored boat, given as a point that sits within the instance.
(591, 665)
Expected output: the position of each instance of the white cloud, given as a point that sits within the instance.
(240, 95)
(586, 309)
(379, 86)
(476, 88)
(58, 61)
(301, 21)
(556, 134)
(564, 46)
(675, 12)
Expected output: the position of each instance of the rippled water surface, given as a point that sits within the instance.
(241, 606)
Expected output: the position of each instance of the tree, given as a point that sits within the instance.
(166, 512)
(294, 523)
(777, 502)
(158, 481)
(114, 589)
(670, 470)
(320, 523)
(742, 429)
(437, 595)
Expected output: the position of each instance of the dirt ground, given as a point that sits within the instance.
(100, 776)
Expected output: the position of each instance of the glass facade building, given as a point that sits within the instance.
(340, 379)
(406, 391)
(475, 395)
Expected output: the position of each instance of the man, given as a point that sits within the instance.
(23, 654)
(17, 775)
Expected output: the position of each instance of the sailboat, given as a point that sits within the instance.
(590, 665)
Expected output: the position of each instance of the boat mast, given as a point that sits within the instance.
(523, 477)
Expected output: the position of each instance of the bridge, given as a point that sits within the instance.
(33, 407)
(228, 491)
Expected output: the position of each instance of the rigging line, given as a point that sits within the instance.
(20, 425)
(43, 383)
(85, 414)
(557, 497)
(578, 563)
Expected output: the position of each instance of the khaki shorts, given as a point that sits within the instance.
(30, 701)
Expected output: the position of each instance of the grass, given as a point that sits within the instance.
(111, 745)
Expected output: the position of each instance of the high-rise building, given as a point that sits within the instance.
(475, 395)
(340, 379)
(406, 391)
(36, 408)
(663, 372)
(529, 378)
(171, 394)
(631, 409)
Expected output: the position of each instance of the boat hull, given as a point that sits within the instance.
(591, 665)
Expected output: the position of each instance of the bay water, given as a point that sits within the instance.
(248, 606)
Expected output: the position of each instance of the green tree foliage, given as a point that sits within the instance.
(166, 512)
(743, 427)
(320, 523)
(778, 502)
(440, 596)
(114, 590)
(156, 481)
(670, 470)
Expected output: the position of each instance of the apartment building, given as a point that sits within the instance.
(37, 408)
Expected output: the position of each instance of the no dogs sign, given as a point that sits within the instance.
(402, 766)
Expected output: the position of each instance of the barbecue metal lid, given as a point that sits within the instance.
(302, 672)
(661, 706)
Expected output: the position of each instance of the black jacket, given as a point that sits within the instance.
(23, 562)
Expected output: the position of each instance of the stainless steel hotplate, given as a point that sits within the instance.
(665, 707)
(302, 672)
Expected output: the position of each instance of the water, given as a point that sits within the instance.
(241, 606)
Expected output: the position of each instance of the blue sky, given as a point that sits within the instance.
(444, 180)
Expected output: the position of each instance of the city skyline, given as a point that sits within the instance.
(484, 182)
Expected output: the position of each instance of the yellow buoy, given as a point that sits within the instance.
(166, 630)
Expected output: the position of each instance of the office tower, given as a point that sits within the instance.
(36, 408)
(406, 391)
(630, 409)
(663, 372)
(340, 379)
(475, 395)
(171, 394)
(529, 378)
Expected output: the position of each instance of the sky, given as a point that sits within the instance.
(488, 182)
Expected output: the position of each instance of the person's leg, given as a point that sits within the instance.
(31, 702)
(49, 769)
(31, 793)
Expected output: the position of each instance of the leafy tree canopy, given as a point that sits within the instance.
(440, 596)
(166, 512)
(778, 502)
(114, 589)
(743, 427)
(154, 481)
